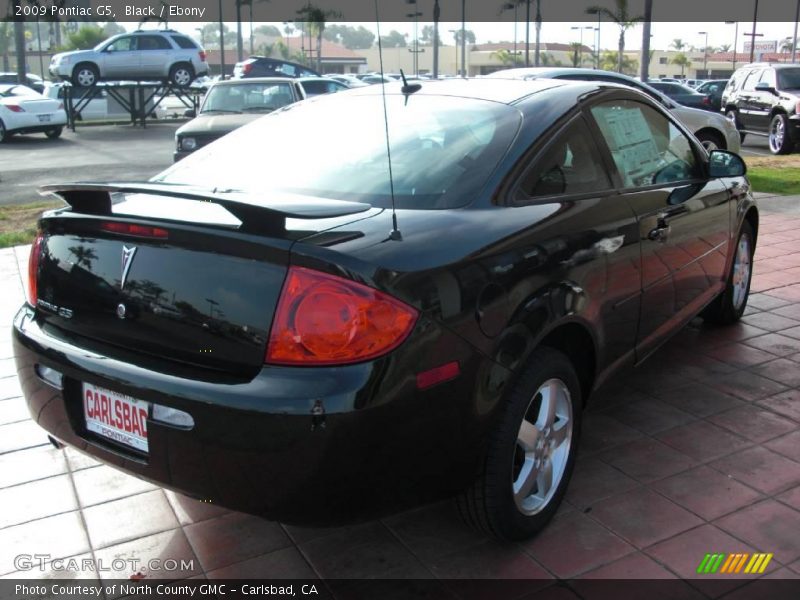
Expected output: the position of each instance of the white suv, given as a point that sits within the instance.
(165, 55)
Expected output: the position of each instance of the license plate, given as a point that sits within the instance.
(44, 118)
(116, 416)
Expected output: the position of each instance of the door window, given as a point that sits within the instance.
(647, 148)
(569, 165)
(768, 77)
(123, 44)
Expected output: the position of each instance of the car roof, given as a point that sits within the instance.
(249, 80)
(505, 91)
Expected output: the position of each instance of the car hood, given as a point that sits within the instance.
(216, 123)
(74, 54)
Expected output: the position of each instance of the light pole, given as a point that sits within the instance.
(510, 6)
(705, 54)
(415, 15)
(538, 30)
(464, 35)
(580, 52)
(597, 47)
(794, 39)
(221, 44)
(753, 35)
(736, 37)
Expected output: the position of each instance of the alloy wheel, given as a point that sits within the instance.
(742, 270)
(776, 135)
(182, 77)
(543, 447)
(86, 77)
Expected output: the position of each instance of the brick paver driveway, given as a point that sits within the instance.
(697, 451)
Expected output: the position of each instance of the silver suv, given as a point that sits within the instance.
(141, 55)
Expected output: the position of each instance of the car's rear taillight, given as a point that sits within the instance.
(797, 108)
(322, 319)
(247, 67)
(15, 108)
(33, 268)
(202, 55)
(135, 230)
(706, 100)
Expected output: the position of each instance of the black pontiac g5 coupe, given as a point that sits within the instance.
(280, 327)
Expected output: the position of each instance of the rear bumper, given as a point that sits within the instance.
(31, 123)
(255, 446)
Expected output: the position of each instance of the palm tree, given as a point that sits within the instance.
(504, 56)
(610, 60)
(315, 19)
(681, 60)
(678, 44)
(725, 48)
(786, 45)
(546, 60)
(624, 20)
(576, 48)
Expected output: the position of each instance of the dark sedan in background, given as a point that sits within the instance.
(279, 327)
(682, 94)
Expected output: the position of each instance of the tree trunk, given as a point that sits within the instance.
(648, 15)
(621, 49)
(239, 42)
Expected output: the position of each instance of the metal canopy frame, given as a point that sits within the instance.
(133, 96)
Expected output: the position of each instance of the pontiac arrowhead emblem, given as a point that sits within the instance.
(127, 259)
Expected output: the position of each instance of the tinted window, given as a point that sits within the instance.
(443, 151)
(184, 42)
(570, 165)
(647, 148)
(789, 79)
(768, 77)
(123, 44)
(752, 79)
(153, 42)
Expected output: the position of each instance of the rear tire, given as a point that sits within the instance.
(780, 138)
(181, 75)
(54, 133)
(85, 75)
(729, 306)
(531, 452)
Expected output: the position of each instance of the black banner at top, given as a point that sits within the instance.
(395, 10)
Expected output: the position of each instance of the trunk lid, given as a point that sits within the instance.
(198, 293)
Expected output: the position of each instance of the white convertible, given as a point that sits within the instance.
(23, 110)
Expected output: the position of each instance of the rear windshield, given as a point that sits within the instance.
(443, 151)
(243, 97)
(789, 79)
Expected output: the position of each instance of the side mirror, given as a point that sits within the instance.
(722, 163)
(190, 113)
(763, 86)
(110, 48)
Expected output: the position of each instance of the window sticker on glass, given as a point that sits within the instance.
(631, 142)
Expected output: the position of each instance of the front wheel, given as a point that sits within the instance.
(711, 140)
(85, 75)
(729, 306)
(531, 452)
(53, 133)
(780, 139)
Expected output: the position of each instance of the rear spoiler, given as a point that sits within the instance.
(255, 214)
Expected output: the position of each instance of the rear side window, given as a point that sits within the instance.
(184, 42)
(570, 165)
(647, 148)
(153, 42)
